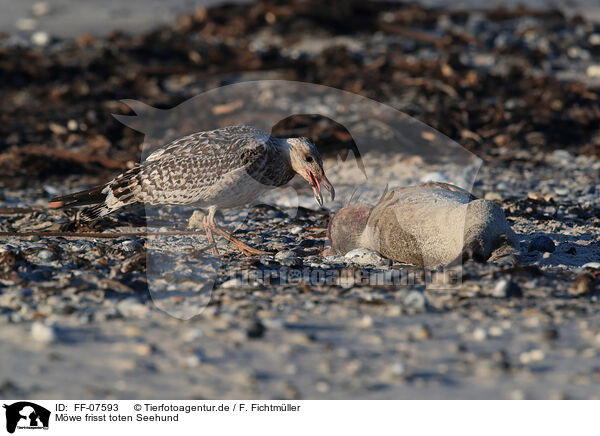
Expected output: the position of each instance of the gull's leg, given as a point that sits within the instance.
(209, 236)
(243, 247)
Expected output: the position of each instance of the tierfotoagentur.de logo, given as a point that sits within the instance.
(25, 415)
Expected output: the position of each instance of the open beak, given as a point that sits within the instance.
(316, 183)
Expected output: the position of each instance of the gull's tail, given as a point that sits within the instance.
(94, 197)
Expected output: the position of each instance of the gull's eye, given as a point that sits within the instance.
(309, 159)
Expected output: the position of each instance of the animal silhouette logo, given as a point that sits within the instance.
(26, 415)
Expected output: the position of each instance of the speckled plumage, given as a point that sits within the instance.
(225, 167)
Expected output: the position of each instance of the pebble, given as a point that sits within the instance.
(41, 39)
(144, 349)
(365, 322)
(46, 255)
(479, 334)
(26, 24)
(366, 257)
(593, 71)
(43, 333)
(421, 332)
(542, 243)
(132, 307)
(196, 220)
(415, 300)
(496, 331)
(398, 369)
(131, 246)
(287, 258)
(583, 284)
(507, 289)
(494, 196)
(296, 230)
(193, 334)
(562, 155)
(72, 125)
(532, 356)
(334, 260)
(594, 39)
(592, 265)
(516, 394)
(40, 9)
(192, 361)
(434, 177)
(255, 330)
(561, 191)
(232, 284)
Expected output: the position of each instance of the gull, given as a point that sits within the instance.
(217, 169)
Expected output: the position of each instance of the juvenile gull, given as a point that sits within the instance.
(217, 169)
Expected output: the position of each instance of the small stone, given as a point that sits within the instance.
(132, 331)
(322, 387)
(542, 243)
(192, 361)
(334, 260)
(496, 331)
(479, 334)
(516, 394)
(583, 284)
(255, 330)
(26, 24)
(41, 39)
(287, 258)
(43, 333)
(434, 177)
(507, 289)
(594, 39)
(273, 323)
(40, 8)
(421, 332)
(57, 129)
(46, 255)
(532, 356)
(398, 369)
(131, 307)
(232, 284)
(562, 191)
(296, 230)
(193, 334)
(72, 125)
(492, 196)
(593, 71)
(366, 257)
(143, 349)
(592, 265)
(415, 300)
(196, 220)
(131, 246)
(365, 322)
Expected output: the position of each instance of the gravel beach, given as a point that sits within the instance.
(93, 316)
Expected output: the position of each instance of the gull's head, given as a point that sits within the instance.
(306, 161)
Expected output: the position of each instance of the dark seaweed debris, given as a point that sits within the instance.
(487, 80)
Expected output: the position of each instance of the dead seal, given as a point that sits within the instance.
(430, 224)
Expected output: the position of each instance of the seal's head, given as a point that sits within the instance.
(347, 226)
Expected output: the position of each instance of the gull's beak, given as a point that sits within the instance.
(316, 182)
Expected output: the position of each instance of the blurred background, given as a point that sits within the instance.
(67, 18)
(486, 75)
